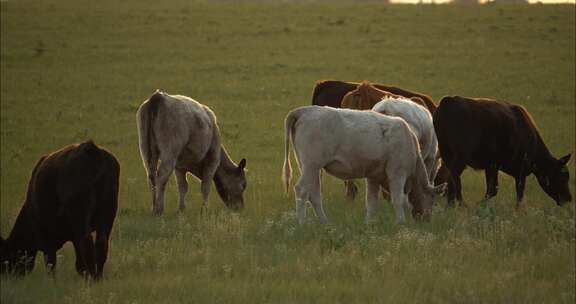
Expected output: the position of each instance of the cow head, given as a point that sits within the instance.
(351, 100)
(12, 261)
(231, 186)
(423, 201)
(553, 178)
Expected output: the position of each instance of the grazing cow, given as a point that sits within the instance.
(361, 144)
(364, 97)
(330, 93)
(178, 134)
(72, 193)
(420, 122)
(491, 135)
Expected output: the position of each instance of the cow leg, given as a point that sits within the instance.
(80, 259)
(491, 173)
(396, 187)
(455, 185)
(101, 252)
(351, 189)
(50, 261)
(301, 195)
(458, 190)
(300, 209)
(372, 190)
(182, 187)
(211, 163)
(152, 173)
(101, 245)
(316, 197)
(164, 172)
(385, 194)
(385, 190)
(520, 184)
(442, 176)
(105, 219)
(84, 248)
(303, 191)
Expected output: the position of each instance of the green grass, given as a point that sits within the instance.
(72, 70)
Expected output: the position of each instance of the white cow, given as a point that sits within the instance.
(176, 133)
(420, 121)
(351, 144)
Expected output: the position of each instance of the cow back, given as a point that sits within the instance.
(330, 93)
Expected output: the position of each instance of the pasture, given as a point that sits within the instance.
(74, 70)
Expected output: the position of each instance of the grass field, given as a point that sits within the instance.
(73, 70)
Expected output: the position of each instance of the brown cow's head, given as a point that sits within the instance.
(361, 98)
(231, 186)
(351, 100)
(554, 180)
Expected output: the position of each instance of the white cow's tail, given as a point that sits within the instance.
(146, 116)
(291, 119)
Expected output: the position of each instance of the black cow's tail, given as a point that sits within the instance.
(146, 116)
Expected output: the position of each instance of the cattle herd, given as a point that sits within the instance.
(400, 141)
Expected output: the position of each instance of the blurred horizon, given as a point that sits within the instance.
(470, 2)
(483, 1)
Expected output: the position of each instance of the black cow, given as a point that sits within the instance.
(492, 135)
(72, 193)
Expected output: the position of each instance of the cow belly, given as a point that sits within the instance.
(52, 235)
(347, 170)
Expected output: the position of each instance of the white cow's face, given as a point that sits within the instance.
(422, 207)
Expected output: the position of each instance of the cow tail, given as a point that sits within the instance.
(291, 119)
(146, 117)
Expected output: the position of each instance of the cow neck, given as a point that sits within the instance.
(541, 156)
(421, 174)
(21, 236)
(225, 168)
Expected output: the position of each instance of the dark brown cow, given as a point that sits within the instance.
(72, 193)
(330, 93)
(492, 135)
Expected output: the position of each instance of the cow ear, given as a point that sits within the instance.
(564, 160)
(242, 164)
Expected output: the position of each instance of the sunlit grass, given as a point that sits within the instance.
(72, 71)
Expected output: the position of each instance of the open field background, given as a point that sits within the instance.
(73, 70)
